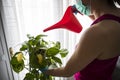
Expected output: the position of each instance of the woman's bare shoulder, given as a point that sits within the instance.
(95, 31)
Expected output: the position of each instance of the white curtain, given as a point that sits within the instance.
(24, 17)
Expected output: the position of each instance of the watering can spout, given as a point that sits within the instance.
(69, 22)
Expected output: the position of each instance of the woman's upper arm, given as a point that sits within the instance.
(89, 48)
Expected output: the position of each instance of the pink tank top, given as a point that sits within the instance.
(99, 69)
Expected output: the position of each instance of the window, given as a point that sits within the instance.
(32, 16)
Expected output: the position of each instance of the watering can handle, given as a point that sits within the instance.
(74, 9)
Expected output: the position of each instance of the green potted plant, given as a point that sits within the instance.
(41, 55)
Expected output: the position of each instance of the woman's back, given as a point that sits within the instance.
(111, 32)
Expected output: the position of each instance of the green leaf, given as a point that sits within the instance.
(63, 52)
(34, 42)
(34, 71)
(29, 76)
(34, 61)
(52, 51)
(16, 53)
(30, 42)
(29, 36)
(39, 36)
(48, 62)
(56, 59)
(14, 60)
(16, 65)
(43, 43)
(45, 77)
(57, 45)
(24, 47)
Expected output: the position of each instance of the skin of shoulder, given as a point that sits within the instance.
(89, 48)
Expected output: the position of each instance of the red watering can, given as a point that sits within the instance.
(69, 22)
